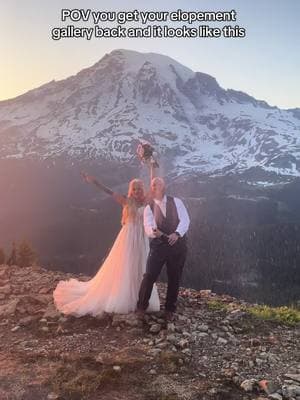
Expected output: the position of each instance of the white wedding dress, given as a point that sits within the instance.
(115, 287)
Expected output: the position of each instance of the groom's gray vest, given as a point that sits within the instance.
(168, 223)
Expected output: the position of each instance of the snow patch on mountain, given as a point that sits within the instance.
(103, 111)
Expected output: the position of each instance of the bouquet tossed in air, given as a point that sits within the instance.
(145, 153)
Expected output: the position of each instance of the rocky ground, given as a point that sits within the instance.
(214, 349)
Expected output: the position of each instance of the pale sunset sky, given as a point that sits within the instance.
(265, 64)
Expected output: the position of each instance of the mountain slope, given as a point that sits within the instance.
(103, 111)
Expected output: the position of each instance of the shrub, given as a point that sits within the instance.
(286, 315)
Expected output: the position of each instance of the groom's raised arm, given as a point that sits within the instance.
(149, 222)
(184, 219)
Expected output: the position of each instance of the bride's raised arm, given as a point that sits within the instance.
(116, 196)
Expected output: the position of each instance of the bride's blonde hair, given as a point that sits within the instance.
(130, 208)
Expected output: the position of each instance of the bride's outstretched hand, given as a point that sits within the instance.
(88, 178)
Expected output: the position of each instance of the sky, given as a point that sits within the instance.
(265, 64)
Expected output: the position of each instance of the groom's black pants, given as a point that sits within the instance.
(174, 257)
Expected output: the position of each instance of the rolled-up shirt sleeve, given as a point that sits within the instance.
(184, 219)
(149, 222)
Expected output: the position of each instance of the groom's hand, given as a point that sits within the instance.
(157, 233)
(172, 239)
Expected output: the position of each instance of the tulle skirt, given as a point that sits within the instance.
(115, 287)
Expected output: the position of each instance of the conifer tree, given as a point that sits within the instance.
(26, 255)
(12, 259)
(2, 257)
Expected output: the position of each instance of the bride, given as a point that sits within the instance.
(115, 287)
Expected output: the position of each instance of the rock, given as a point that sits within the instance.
(117, 368)
(272, 358)
(255, 342)
(9, 308)
(45, 299)
(5, 289)
(182, 318)
(275, 396)
(183, 343)
(187, 352)
(202, 328)
(221, 341)
(248, 385)
(171, 338)
(236, 314)
(268, 387)
(99, 359)
(171, 327)
(154, 352)
(152, 372)
(26, 320)
(44, 290)
(294, 377)
(232, 338)
(162, 345)
(205, 293)
(51, 312)
(52, 396)
(290, 391)
(15, 328)
(155, 328)
(289, 382)
(4, 272)
(127, 319)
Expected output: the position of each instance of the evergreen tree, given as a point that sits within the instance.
(2, 257)
(26, 255)
(12, 259)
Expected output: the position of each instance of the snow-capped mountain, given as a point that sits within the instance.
(103, 111)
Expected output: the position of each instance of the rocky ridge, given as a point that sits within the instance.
(196, 126)
(214, 349)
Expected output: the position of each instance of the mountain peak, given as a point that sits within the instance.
(196, 125)
(132, 61)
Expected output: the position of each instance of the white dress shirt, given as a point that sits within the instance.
(149, 220)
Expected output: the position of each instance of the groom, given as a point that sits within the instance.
(166, 222)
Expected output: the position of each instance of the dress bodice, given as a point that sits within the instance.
(136, 218)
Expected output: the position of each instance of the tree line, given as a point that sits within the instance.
(21, 254)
